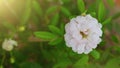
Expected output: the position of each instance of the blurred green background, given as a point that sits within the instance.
(20, 19)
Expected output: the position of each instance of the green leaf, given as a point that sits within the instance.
(113, 63)
(55, 19)
(30, 65)
(111, 2)
(51, 10)
(62, 28)
(92, 7)
(107, 21)
(81, 6)
(115, 39)
(93, 14)
(116, 48)
(56, 41)
(44, 35)
(27, 13)
(62, 64)
(37, 7)
(72, 16)
(65, 11)
(101, 11)
(95, 54)
(55, 30)
(82, 61)
(26, 16)
(116, 16)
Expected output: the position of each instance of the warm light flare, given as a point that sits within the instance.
(6, 6)
(11, 10)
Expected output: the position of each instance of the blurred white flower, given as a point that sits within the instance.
(9, 44)
(83, 34)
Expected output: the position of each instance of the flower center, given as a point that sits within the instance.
(83, 34)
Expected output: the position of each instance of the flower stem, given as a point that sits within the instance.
(12, 59)
(3, 59)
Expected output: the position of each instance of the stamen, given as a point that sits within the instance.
(83, 34)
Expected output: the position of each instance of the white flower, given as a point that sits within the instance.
(9, 44)
(83, 34)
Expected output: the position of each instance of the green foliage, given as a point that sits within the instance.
(62, 26)
(92, 7)
(111, 2)
(117, 49)
(55, 30)
(82, 61)
(19, 56)
(93, 14)
(45, 35)
(65, 1)
(65, 11)
(27, 13)
(107, 21)
(37, 7)
(115, 16)
(115, 39)
(12, 60)
(55, 19)
(95, 54)
(30, 65)
(51, 9)
(113, 63)
(39, 27)
(56, 41)
(62, 64)
(101, 11)
(81, 6)
(116, 27)
(9, 26)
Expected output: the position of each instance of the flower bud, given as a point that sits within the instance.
(21, 28)
(12, 60)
